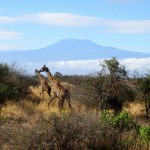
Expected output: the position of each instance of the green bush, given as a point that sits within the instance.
(14, 83)
(144, 132)
(123, 121)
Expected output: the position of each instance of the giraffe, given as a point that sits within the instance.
(58, 91)
(45, 86)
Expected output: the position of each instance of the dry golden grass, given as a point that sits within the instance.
(22, 110)
(31, 111)
(13, 109)
(135, 108)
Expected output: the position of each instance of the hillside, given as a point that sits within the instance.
(69, 49)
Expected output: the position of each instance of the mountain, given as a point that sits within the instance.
(69, 49)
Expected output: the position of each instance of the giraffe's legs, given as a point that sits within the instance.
(60, 103)
(48, 90)
(51, 99)
(67, 97)
(69, 103)
(68, 100)
(43, 93)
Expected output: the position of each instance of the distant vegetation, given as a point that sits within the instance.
(99, 120)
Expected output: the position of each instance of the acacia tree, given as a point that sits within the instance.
(119, 89)
(115, 72)
(109, 87)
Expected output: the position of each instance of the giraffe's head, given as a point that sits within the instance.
(44, 68)
(36, 71)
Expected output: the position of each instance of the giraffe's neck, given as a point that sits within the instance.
(51, 78)
(56, 86)
(40, 77)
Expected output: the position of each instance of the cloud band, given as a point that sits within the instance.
(75, 20)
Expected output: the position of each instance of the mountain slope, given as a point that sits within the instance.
(69, 49)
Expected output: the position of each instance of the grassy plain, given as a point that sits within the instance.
(29, 124)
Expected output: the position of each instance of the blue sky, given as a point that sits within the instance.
(35, 24)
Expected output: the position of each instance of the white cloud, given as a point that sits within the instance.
(67, 67)
(90, 66)
(56, 19)
(6, 19)
(128, 26)
(75, 64)
(61, 19)
(136, 63)
(108, 25)
(130, 63)
(9, 35)
(75, 20)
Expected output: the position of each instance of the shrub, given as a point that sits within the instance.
(72, 131)
(14, 83)
(144, 132)
(68, 131)
(124, 122)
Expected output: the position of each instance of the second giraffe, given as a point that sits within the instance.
(45, 86)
